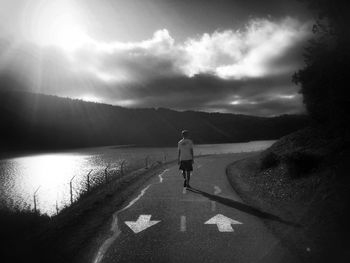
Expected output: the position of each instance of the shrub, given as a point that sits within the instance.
(269, 160)
(18, 233)
(300, 164)
(327, 59)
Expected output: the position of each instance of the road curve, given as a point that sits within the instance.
(165, 222)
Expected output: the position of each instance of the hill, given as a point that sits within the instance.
(35, 121)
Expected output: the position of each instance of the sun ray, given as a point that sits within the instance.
(7, 51)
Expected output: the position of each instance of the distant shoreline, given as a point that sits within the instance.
(22, 153)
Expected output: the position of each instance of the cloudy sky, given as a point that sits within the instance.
(233, 56)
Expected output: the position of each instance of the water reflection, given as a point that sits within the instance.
(51, 172)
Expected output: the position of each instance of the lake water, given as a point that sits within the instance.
(49, 175)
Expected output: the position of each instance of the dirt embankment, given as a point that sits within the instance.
(302, 178)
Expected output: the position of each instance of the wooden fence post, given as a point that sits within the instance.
(122, 168)
(34, 197)
(56, 208)
(88, 180)
(106, 174)
(71, 189)
(146, 162)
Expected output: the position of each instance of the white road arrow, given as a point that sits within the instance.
(223, 222)
(142, 223)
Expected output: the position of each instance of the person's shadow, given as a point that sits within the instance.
(243, 207)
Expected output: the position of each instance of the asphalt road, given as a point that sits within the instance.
(208, 223)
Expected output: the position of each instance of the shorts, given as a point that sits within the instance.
(186, 165)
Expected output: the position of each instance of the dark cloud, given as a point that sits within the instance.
(254, 96)
(264, 97)
(247, 71)
(270, 107)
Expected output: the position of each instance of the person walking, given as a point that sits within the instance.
(185, 157)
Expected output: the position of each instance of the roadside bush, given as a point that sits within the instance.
(13, 221)
(17, 233)
(269, 160)
(300, 164)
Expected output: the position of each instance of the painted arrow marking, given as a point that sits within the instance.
(142, 223)
(223, 223)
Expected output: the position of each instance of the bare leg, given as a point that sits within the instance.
(184, 175)
(188, 177)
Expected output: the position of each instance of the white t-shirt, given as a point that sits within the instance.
(185, 146)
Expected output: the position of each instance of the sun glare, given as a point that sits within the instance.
(90, 98)
(67, 34)
(58, 23)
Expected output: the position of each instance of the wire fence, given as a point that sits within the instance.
(101, 176)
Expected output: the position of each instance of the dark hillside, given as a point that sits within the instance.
(36, 121)
(303, 177)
